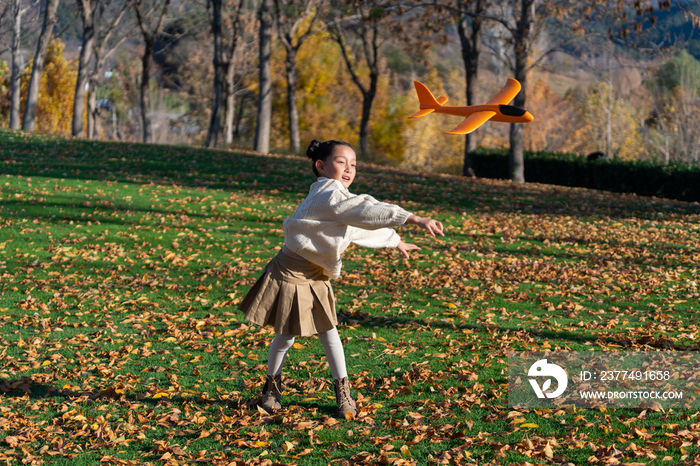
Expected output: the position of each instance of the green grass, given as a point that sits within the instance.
(121, 266)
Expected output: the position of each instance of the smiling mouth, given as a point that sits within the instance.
(346, 178)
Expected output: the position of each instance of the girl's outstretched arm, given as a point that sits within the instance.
(433, 226)
(365, 212)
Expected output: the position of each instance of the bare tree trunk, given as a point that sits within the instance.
(230, 94)
(367, 101)
(522, 50)
(219, 64)
(471, 48)
(291, 67)
(369, 35)
(144, 97)
(263, 122)
(500, 55)
(608, 126)
(92, 108)
(149, 39)
(87, 10)
(290, 15)
(238, 20)
(237, 121)
(516, 159)
(29, 119)
(115, 128)
(16, 67)
(101, 51)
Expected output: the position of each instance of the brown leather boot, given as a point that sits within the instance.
(272, 393)
(346, 404)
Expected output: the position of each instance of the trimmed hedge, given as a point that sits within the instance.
(673, 181)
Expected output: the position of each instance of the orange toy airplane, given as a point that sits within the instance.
(476, 115)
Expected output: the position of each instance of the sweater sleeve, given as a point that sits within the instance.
(380, 238)
(366, 212)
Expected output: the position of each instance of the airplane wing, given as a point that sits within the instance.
(472, 122)
(505, 95)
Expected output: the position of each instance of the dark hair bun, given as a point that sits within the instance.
(313, 149)
(321, 150)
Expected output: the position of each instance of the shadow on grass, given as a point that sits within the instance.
(23, 210)
(661, 342)
(27, 387)
(597, 259)
(290, 177)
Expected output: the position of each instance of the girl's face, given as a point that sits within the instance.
(340, 165)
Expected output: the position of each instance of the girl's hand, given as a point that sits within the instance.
(405, 247)
(433, 226)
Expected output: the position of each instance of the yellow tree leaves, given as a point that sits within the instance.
(330, 104)
(327, 99)
(608, 123)
(54, 113)
(549, 130)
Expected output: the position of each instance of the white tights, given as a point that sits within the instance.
(331, 345)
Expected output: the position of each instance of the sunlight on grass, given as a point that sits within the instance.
(121, 266)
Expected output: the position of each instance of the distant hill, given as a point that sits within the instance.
(675, 28)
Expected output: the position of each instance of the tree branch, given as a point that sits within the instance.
(311, 30)
(162, 16)
(27, 8)
(351, 69)
(434, 4)
(551, 50)
(139, 17)
(116, 20)
(66, 27)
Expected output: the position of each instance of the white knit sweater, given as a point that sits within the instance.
(331, 217)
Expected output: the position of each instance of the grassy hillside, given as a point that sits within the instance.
(121, 265)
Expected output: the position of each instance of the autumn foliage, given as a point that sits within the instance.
(627, 111)
(56, 91)
(330, 104)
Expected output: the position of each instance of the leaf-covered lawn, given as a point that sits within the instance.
(121, 265)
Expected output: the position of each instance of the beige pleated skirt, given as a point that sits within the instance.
(293, 295)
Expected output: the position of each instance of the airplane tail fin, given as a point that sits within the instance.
(425, 97)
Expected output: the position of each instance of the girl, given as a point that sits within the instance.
(294, 293)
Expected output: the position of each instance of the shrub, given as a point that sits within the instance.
(674, 181)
